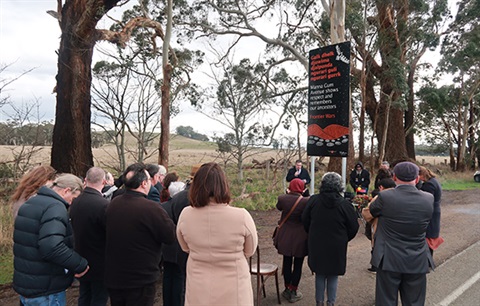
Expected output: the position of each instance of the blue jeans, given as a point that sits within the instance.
(55, 299)
(332, 283)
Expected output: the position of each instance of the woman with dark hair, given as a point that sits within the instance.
(218, 238)
(431, 185)
(331, 222)
(292, 238)
(169, 178)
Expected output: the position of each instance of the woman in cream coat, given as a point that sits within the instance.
(218, 238)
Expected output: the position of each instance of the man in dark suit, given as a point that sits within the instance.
(136, 228)
(87, 215)
(298, 171)
(400, 252)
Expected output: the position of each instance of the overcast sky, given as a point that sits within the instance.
(29, 38)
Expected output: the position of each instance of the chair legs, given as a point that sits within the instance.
(278, 289)
(261, 287)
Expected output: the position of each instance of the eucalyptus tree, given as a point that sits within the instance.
(127, 89)
(125, 103)
(389, 37)
(437, 114)
(238, 104)
(78, 19)
(461, 64)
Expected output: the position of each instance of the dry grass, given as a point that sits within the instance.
(6, 218)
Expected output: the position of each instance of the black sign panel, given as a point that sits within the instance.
(329, 101)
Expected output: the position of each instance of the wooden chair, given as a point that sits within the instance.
(263, 271)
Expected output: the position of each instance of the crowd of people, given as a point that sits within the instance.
(403, 225)
(116, 236)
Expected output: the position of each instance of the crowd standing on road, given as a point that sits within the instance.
(117, 237)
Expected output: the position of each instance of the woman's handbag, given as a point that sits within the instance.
(275, 231)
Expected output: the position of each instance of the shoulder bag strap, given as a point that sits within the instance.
(290, 212)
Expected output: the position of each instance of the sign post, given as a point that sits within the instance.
(329, 101)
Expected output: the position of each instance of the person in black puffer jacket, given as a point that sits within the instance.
(44, 260)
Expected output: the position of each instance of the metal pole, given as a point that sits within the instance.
(344, 171)
(312, 174)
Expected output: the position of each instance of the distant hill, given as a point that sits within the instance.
(181, 142)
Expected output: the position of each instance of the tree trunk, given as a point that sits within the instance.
(337, 35)
(165, 122)
(163, 152)
(392, 51)
(71, 145)
(71, 148)
(472, 147)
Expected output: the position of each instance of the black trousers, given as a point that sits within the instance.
(173, 285)
(92, 293)
(143, 296)
(291, 276)
(412, 288)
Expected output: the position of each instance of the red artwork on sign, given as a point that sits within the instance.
(331, 132)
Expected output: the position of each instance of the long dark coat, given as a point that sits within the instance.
(433, 186)
(292, 238)
(331, 222)
(87, 214)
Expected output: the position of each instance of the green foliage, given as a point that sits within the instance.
(187, 131)
(6, 267)
(440, 149)
(6, 171)
(255, 192)
(14, 132)
(224, 143)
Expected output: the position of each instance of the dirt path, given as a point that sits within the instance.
(460, 228)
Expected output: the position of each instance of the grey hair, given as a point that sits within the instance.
(67, 180)
(175, 187)
(162, 170)
(95, 175)
(332, 182)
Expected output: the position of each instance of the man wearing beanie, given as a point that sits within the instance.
(400, 253)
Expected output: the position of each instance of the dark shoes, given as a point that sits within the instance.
(295, 296)
(292, 295)
(372, 269)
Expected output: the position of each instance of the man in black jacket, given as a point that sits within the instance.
(44, 260)
(136, 228)
(298, 171)
(87, 215)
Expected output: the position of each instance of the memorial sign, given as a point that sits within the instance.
(329, 101)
